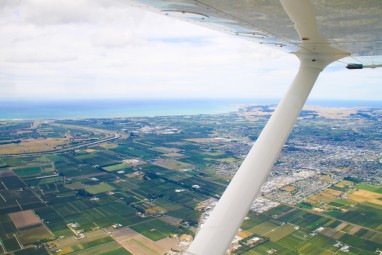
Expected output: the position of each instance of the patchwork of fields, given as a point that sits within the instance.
(146, 191)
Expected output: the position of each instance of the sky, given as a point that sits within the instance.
(106, 49)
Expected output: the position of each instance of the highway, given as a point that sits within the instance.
(114, 135)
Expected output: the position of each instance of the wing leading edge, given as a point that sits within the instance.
(348, 25)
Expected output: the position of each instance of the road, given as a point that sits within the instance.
(114, 135)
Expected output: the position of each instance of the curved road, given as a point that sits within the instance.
(77, 146)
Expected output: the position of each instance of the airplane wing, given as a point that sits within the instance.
(350, 25)
(318, 32)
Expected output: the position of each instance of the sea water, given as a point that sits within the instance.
(71, 109)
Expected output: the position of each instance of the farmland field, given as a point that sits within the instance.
(27, 171)
(116, 167)
(263, 228)
(363, 196)
(280, 232)
(11, 244)
(31, 145)
(99, 188)
(155, 230)
(365, 215)
(33, 235)
(25, 219)
(32, 251)
(368, 187)
(102, 249)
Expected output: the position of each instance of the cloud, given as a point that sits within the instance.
(37, 58)
(107, 49)
(45, 12)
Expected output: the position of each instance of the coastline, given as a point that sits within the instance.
(46, 110)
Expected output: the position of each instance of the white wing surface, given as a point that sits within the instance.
(351, 25)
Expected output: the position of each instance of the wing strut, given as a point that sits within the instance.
(216, 235)
(315, 54)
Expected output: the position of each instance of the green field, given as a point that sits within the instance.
(2, 163)
(97, 242)
(365, 215)
(360, 243)
(108, 248)
(271, 247)
(99, 188)
(369, 187)
(280, 232)
(294, 240)
(263, 228)
(119, 251)
(155, 229)
(7, 228)
(11, 244)
(116, 167)
(15, 161)
(22, 172)
(169, 206)
(54, 221)
(32, 251)
(253, 220)
(50, 180)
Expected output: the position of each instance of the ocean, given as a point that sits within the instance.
(73, 109)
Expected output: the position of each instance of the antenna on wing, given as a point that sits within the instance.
(361, 66)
